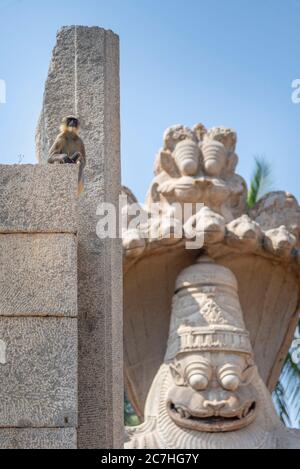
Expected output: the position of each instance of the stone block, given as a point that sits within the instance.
(38, 275)
(38, 438)
(38, 198)
(38, 372)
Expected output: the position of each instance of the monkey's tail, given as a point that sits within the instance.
(80, 181)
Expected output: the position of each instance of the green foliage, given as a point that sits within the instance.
(130, 417)
(286, 394)
(260, 181)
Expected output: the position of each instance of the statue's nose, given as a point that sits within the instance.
(215, 405)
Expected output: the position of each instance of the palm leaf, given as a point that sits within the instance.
(260, 182)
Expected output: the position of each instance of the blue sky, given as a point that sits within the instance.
(218, 62)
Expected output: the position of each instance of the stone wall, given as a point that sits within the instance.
(38, 307)
(84, 79)
(61, 374)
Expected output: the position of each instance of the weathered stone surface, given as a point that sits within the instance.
(84, 79)
(38, 438)
(36, 198)
(278, 209)
(100, 302)
(146, 335)
(203, 386)
(198, 166)
(244, 234)
(39, 377)
(208, 393)
(280, 241)
(60, 98)
(269, 295)
(259, 246)
(38, 275)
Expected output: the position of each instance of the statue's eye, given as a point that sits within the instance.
(198, 381)
(230, 377)
(230, 382)
(198, 375)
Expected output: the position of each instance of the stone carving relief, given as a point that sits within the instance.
(212, 387)
(209, 382)
(198, 166)
(261, 430)
(209, 352)
(278, 209)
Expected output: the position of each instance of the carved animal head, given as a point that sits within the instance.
(194, 424)
(212, 392)
(198, 166)
(197, 151)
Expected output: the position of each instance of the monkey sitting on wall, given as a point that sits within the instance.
(68, 147)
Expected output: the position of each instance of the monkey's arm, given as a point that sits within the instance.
(57, 154)
(79, 156)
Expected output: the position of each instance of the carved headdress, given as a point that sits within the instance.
(206, 312)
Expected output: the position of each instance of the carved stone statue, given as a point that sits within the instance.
(209, 382)
(199, 166)
(231, 321)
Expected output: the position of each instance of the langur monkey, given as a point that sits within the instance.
(68, 147)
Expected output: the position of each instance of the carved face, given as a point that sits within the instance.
(212, 392)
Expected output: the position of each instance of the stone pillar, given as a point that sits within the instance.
(84, 79)
(38, 307)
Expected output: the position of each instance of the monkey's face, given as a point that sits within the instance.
(70, 124)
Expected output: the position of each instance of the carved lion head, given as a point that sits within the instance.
(212, 391)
